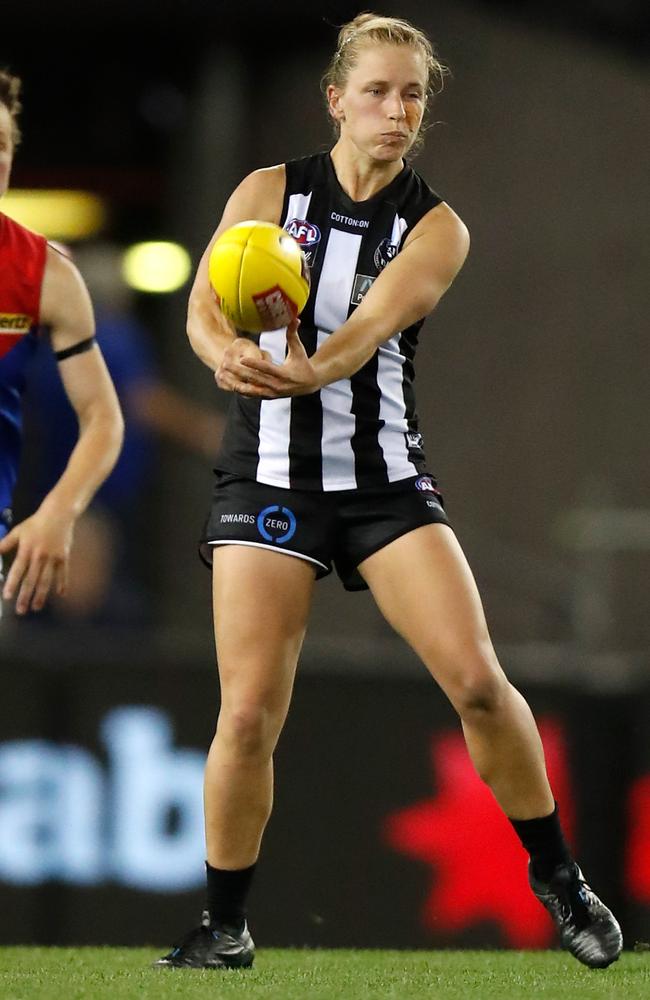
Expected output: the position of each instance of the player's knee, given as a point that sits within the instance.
(248, 730)
(481, 690)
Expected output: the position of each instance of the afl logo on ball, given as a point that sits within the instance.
(307, 235)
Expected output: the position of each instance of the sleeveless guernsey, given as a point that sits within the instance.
(360, 431)
(22, 265)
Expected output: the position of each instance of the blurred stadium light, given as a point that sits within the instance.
(157, 266)
(58, 214)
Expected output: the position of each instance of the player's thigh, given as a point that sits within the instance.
(261, 602)
(425, 589)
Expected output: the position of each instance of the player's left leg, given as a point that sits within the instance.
(426, 591)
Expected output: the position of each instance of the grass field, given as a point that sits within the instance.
(120, 973)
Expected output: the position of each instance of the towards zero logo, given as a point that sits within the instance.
(276, 524)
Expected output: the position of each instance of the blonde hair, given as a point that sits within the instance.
(369, 29)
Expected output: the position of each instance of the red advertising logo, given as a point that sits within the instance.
(637, 868)
(478, 865)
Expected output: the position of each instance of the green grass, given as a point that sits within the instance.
(120, 973)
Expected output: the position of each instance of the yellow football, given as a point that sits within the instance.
(259, 275)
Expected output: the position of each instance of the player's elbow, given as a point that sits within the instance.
(110, 425)
(105, 420)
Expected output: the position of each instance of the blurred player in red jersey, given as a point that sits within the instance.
(41, 288)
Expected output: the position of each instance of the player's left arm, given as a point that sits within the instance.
(408, 289)
(43, 541)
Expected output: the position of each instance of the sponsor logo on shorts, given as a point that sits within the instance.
(237, 519)
(362, 283)
(425, 484)
(384, 253)
(276, 524)
(434, 503)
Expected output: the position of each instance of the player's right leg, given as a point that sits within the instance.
(261, 604)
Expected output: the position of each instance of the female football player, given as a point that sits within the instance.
(322, 464)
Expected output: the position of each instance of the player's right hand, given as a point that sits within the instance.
(42, 546)
(231, 374)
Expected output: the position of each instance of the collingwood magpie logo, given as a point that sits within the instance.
(384, 253)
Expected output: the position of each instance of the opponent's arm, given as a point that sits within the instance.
(408, 288)
(259, 196)
(43, 541)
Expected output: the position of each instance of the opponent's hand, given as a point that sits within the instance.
(42, 543)
(296, 376)
(231, 374)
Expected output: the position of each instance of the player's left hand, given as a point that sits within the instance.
(42, 543)
(296, 376)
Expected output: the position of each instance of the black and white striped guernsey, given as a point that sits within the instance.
(357, 432)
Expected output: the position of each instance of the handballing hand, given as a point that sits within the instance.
(296, 375)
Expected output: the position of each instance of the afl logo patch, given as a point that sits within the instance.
(307, 235)
(384, 253)
(276, 524)
(425, 485)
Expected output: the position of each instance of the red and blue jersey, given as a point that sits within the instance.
(22, 265)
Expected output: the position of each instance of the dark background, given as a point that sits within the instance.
(532, 388)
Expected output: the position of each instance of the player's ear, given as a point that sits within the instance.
(335, 103)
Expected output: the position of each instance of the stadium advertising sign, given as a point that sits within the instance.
(137, 822)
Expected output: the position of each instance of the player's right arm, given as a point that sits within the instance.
(259, 196)
(42, 542)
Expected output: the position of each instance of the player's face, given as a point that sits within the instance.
(6, 148)
(381, 107)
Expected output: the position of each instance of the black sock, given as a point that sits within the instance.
(545, 843)
(226, 895)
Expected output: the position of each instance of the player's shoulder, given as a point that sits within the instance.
(260, 194)
(59, 265)
(443, 219)
(63, 287)
(267, 181)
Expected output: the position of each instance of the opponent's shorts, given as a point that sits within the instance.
(339, 529)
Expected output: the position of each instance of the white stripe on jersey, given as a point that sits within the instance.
(275, 422)
(331, 311)
(393, 411)
(275, 414)
(297, 207)
(339, 424)
(392, 408)
(336, 280)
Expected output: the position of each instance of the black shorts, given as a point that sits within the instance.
(342, 528)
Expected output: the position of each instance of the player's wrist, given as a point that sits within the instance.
(323, 374)
(61, 507)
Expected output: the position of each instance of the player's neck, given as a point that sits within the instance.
(359, 175)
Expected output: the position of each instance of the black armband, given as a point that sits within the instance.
(68, 352)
